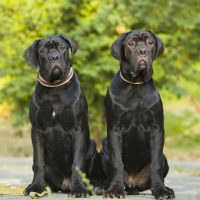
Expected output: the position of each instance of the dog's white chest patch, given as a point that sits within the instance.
(53, 114)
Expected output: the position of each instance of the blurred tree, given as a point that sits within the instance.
(21, 23)
(94, 25)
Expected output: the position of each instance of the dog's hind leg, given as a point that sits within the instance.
(141, 180)
(165, 166)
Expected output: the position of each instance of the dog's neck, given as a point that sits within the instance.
(57, 83)
(132, 82)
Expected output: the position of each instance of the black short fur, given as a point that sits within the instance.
(135, 122)
(59, 118)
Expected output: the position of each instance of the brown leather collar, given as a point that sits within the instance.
(56, 83)
(134, 83)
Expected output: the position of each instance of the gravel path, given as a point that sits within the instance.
(17, 171)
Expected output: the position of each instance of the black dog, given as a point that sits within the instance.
(58, 114)
(135, 122)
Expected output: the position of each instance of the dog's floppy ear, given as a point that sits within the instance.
(159, 45)
(71, 43)
(30, 54)
(116, 46)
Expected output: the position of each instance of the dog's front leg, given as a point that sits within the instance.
(157, 158)
(79, 148)
(38, 183)
(116, 188)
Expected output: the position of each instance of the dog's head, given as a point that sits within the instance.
(51, 56)
(136, 51)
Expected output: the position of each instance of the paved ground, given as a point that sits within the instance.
(17, 171)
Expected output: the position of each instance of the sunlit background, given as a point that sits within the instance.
(94, 25)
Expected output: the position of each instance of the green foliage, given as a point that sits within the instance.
(183, 128)
(94, 25)
(85, 180)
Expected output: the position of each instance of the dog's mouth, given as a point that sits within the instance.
(141, 72)
(56, 74)
(142, 66)
(56, 70)
(139, 69)
(144, 71)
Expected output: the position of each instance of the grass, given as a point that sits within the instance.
(182, 130)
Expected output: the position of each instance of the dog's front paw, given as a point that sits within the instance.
(80, 193)
(34, 187)
(115, 192)
(162, 193)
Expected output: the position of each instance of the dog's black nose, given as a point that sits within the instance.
(54, 57)
(143, 51)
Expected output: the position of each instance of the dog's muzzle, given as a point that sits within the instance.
(142, 65)
(56, 71)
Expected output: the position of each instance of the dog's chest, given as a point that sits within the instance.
(133, 97)
(55, 104)
(55, 109)
(136, 124)
(136, 129)
(58, 104)
(132, 107)
(136, 101)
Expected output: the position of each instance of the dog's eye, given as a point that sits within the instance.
(43, 50)
(150, 42)
(61, 48)
(131, 43)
